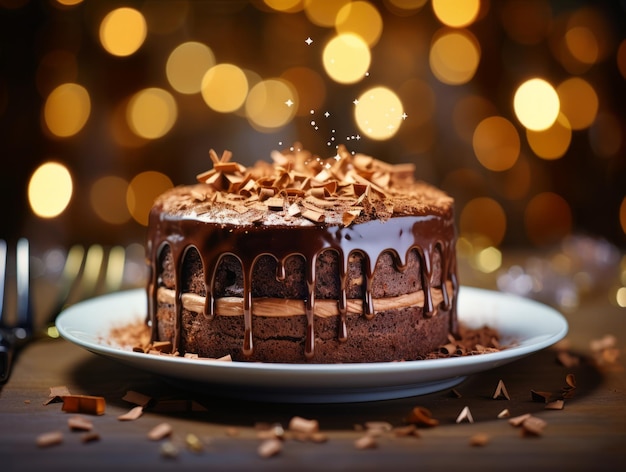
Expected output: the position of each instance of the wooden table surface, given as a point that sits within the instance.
(589, 433)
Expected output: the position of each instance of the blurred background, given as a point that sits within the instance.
(514, 107)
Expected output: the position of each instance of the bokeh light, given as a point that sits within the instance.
(322, 12)
(123, 31)
(484, 218)
(454, 56)
(622, 215)
(405, 7)
(496, 143)
(579, 102)
(151, 113)
(606, 135)
(536, 104)
(309, 86)
(547, 219)
(286, 6)
(50, 189)
(186, 66)
(553, 142)
(270, 104)
(360, 18)
(108, 199)
(224, 88)
(67, 109)
(142, 191)
(456, 13)
(621, 58)
(346, 58)
(378, 113)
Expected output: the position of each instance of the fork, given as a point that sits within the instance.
(86, 274)
(14, 335)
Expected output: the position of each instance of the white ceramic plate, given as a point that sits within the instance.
(531, 325)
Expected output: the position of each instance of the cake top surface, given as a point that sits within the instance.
(300, 189)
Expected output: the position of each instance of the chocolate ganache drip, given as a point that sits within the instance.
(303, 206)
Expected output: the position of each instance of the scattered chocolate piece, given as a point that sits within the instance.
(270, 448)
(79, 423)
(57, 394)
(318, 437)
(366, 442)
(136, 398)
(540, 396)
(567, 359)
(504, 413)
(479, 440)
(404, 431)
(169, 450)
(303, 425)
(454, 393)
(26, 402)
(160, 431)
(501, 391)
(132, 414)
(90, 436)
(570, 379)
(518, 420)
(378, 426)
(465, 414)
(422, 416)
(50, 439)
(193, 443)
(275, 431)
(555, 405)
(232, 431)
(533, 426)
(89, 404)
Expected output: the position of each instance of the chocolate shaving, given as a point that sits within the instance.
(465, 414)
(479, 440)
(136, 398)
(132, 414)
(501, 391)
(422, 417)
(89, 404)
(79, 423)
(303, 425)
(50, 439)
(504, 413)
(366, 442)
(270, 448)
(160, 431)
(555, 405)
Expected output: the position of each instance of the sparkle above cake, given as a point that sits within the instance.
(303, 260)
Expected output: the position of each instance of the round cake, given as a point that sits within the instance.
(303, 260)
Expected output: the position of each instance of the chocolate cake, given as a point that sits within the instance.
(303, 260)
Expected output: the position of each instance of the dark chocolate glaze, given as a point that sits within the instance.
(399, 235)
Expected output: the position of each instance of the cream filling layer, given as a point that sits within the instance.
(281, 307)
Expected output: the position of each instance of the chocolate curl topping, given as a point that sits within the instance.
(341, 174)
